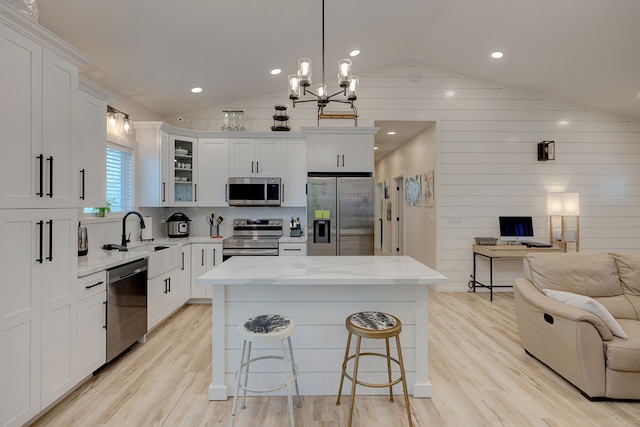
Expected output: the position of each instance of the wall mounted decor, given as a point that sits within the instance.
(546, 151)
(427, 188)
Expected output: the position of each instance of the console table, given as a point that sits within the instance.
(501, 251)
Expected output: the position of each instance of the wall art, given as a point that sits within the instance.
(412, 195)
(427, 188)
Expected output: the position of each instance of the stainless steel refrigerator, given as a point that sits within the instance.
(340, 215)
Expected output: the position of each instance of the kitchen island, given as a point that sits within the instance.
(318, 293)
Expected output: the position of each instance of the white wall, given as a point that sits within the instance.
(414, 157)
(486, 158)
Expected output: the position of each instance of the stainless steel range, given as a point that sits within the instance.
(253, 237)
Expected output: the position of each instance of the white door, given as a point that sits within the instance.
(59, 98)
(92, 146)
(268, 159)
(213, 171)
(20, 120)
(59, 303)
(242, 157)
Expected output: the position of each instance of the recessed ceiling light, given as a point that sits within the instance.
(497, 55)
(196, 90)
(391, 132)
(375, 147)
(276, 71)
(354, 52)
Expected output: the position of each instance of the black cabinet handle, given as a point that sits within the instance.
(195, 192)
(343, 160)
(165, 286)
(282, 194)
(251, 166)
(337, 160)
(50, 223)
(105, 315)
(41, 232)
(169, 280)
(214, 257)
(226, 187)
(257, 166)
(82, 171)
(41, 162)
(94, 285)
(50, 160)
(381, 223)
(163, 188)
(182, 261)
(203, 257)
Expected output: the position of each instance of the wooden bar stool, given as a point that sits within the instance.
(374, 325)
(266, 328)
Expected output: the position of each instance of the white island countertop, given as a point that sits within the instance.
(322, 270)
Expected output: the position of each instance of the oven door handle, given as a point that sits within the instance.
(246, 252)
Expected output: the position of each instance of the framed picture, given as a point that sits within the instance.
(386, 190)
(412, 195)
(388, 211)
(427, 188)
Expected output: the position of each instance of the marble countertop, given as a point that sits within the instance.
(102, 259)
(322, 270)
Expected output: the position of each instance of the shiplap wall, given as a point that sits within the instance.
(486, 158)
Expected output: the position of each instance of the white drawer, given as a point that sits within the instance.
(285, 249)
(92, 284)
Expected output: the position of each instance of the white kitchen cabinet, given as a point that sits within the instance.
(38, 308)
(183, 174)
(292, 248)
(92, 144)
(255, 157)
(164, 296)
(92, 332)
(294, 177)
(152, 159)
(340, 150)
(39, 92)
(204, 257)
(213, 171)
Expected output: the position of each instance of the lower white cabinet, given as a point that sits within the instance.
(92, 331)
(165, 294)
(204, 257)
(38, 310)
(291, 248)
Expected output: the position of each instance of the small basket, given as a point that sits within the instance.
(486, 241)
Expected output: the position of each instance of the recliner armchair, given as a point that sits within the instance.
(572, 341)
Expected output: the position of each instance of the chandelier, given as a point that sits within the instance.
(347, 82)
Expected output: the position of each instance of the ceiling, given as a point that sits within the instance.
(154, 51)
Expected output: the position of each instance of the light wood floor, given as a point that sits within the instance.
(480, 376)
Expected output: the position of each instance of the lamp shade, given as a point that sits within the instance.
(564, 204)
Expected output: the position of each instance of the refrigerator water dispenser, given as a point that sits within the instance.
(321, 231)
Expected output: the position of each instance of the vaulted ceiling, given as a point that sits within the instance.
(154, 51)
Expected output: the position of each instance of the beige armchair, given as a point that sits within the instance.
(575, 338)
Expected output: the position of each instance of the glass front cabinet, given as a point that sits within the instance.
(182, 166)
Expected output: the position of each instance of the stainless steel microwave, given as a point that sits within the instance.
(254, 191)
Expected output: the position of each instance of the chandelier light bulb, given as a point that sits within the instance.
(304, 71)
(344, 72)
(321, 90)
(352, 91)
(294, 86)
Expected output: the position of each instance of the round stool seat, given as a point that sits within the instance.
(373, 324)
(266, 328)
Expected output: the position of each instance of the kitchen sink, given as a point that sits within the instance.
(162, 257)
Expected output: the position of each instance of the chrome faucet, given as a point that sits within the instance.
(123, 246)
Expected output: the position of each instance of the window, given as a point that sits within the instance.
(119, 179)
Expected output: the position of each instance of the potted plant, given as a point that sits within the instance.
(102, 211)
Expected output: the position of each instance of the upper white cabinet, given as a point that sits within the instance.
(255, 157)
(154, 185)
(340, 149)
(213, 171)
(294, 177)
(39, 95)
(91, 142)
(183, 177)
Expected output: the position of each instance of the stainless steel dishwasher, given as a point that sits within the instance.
(126, 306)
